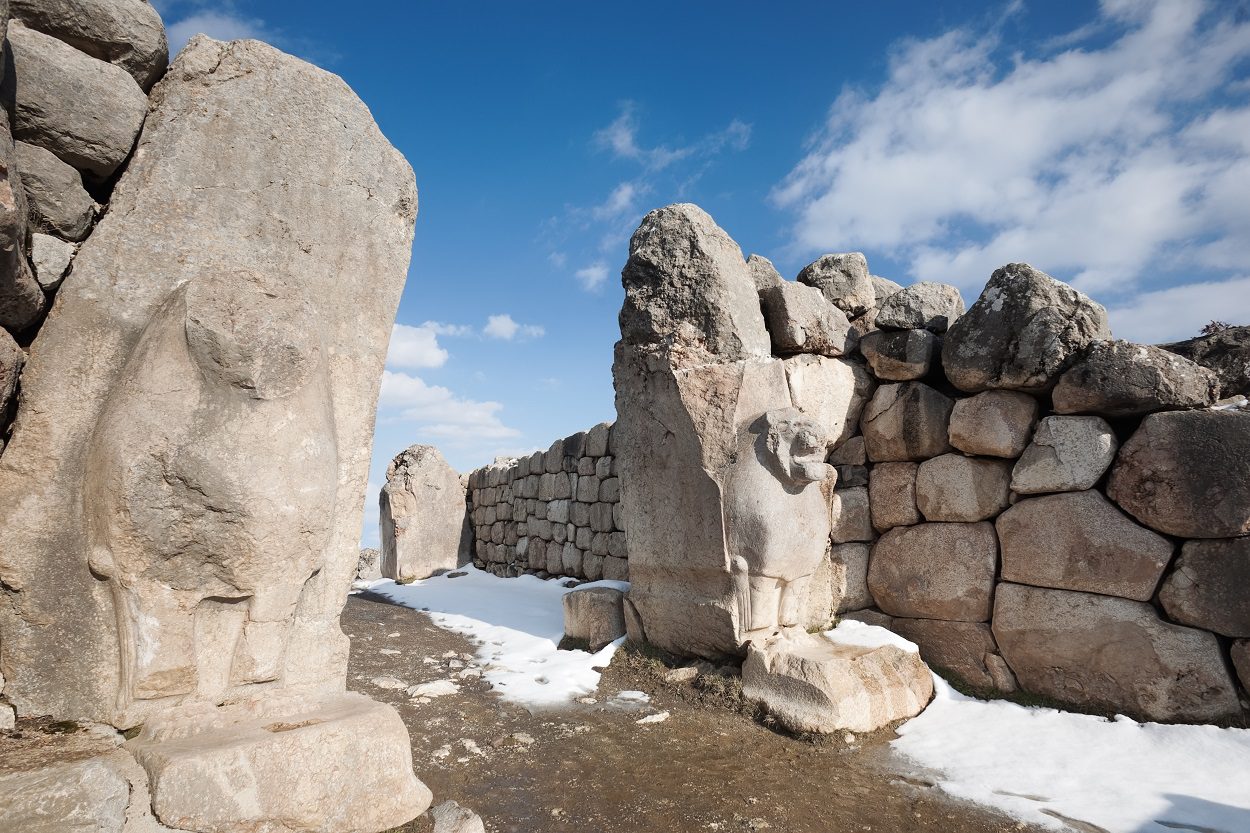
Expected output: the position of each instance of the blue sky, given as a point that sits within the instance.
(1106, 143)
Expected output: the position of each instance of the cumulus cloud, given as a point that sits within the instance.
(505, 328)
(1109, 163)
(1179, 312)
(222, 22)
(418, 347)
(593, 276)
(440, 413)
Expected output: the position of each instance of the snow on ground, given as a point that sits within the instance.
(519, 622)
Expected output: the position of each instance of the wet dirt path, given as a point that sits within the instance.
(592, 767)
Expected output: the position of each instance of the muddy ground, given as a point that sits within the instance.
(710, 766)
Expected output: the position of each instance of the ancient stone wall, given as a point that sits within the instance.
(555, 512)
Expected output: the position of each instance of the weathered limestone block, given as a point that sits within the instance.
(50, 257)
(1226, 352)
(907, 421)
(965, 650)
(811, 684)
(1187, 473)
(369, 565)
(1024, 330)
(128, 33)
(925, 305)
(22, 302)
(953, 487)
(84, 110)
(764, 273)
(852, 519)
(1210, 586)
(935, 571)
(450, 817)
(996, 423)
(422, 516)
(1080, 541)
(1067, 454)
(1122, 379)
(830, 391)
(801, 320)
(844, 280)
(883, 288)
(594, 614)
(850, 577)
(900, 355)
(1107, 653)
(892, 495)
(58, 202)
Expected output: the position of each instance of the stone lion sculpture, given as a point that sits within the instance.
(777, 518)
(211, 482)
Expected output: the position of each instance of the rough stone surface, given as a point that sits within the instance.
(1122, 379)
(925, 305)
(953, 487)
(907, 421)
(1210, 586)
(84, 110)
(892, 495)
(369, 565)
(935, 571)
(844, 280)
(800, 320)
(811, 684)
(900, 355)
(1226, 352)
(1241, 662)
(12, 358)
(996, 423)
(50, 256)
(1067, 454)
(1187, 473)
(831, 391)
(422, 516)
(852, 520)
(450, 817)
(883, 288)
(128, 33)
(850, 577)
(764, 273)
(1080, 541)
(1024, 330)
(595, 614)
(1110, 654)
(59, 204)
(965, 650)
(22, 302)
(849, 453)
(82, 784)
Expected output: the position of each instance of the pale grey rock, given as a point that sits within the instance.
(801, 320)
(900, 355)
(369, 565)
(995, 423)
(892, 495)
(615, 569)
(128, 33)
(1024, 330)
(844, 280)
(422, 516)
(1187, 473)
(850, 577)
(84, 110)
(831, 391)
(1226, 352)
(594, 614)
(965, 650)
(1208, 587)
(597, 440)
(953, 487)
(51, 257)
(764, 273)
(906, 421)
(76, 786)
(1080, 541)
(935, 571)
(450, 817)
(925, 305)
(1122, 379)
(852, 520)
(849, 453)
(811, 684)
(59, 204)
(1067, 454)
(1112, 654)
(592, 566)
(883, 288)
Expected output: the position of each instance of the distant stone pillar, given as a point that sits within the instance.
(423, 516)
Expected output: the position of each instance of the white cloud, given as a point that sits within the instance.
(440, 412)
(1179, 312)
(418, 347)
(505, 328)
(222, 25)
(592, 277)
(1104, 163)
(620, 203)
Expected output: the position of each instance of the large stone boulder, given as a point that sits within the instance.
(1067, 454)
(84, 110)
(963, 650)
(892, 495)
(200, 410)
(883, 288)
(852, 520)
(128, 33)
(801, 320)
(58, 202)
(1110, 654)
(1080, 541)
(1226, 352)
(422, 516)
(953, 487)
(996, 423)
(50, 258)
(1187, 473)
(925, 305)
(907, 421)
(831, 391)
(844, 280)
(763, 273)
(900, 355)
(1024, 330)
(935, 571)
(1122, 379)
(594, 615)
(1209, 586)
